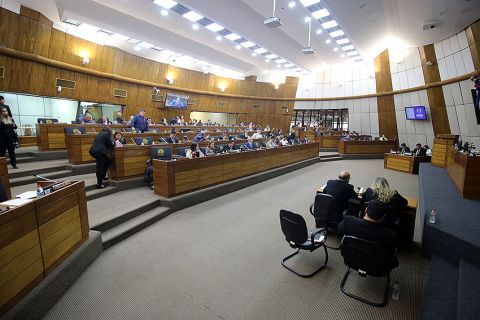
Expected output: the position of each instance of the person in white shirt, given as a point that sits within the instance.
(383, 138)
(271, 143)
(257, 135)
(284, 142)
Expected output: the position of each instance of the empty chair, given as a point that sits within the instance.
(369, 259)
(182, 151)
(75, 130)
(143, 141)
(298, 237)
(324, 209)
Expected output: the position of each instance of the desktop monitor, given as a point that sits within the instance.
(416, 113)
(176, 101)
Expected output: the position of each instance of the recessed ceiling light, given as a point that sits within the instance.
(278, 66)
(291, 4)
(350, 47)
(319, 31)
(308, 3)
(204, 68)
(247, 44)
(335, 49)
(343, 41)
(137, 48)
(260, 50)
(219, 38)
(337, 33)
(320, 14)
(192, 16)
(164, 12)
(214, 27)
(120, 37)
(146, 45)
(329, 24)
(342, 56)
(267, 60)
(195, 26)
(328, 41)
(232, 36)
(254, 54)
(238, 47)
(271, 56)
(167, 4)
(307, 19)
(134, 41)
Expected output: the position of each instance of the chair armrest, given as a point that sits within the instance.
(311, 208)
(313, 233)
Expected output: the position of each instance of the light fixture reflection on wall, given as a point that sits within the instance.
(222, 87)
(85, 57)
(276, 86)
(170, 79)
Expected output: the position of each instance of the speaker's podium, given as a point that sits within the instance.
(37, 234)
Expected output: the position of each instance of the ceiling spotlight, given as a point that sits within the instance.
(254, 54)
(267, 60)
(167, 4)
(164, 12)
(137, 48)
(195, 26)
(291, 4)
(238, 47)
(328, 41)
(219, 38)
(319, 31)
(330, 24)
(307, 19)
(335, 49)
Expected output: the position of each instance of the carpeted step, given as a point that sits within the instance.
(25, 159)
(31, 179)
(322, 159)
(37, 167)
(468, 291)
(441, 291)
(93, 193)
(132, 226)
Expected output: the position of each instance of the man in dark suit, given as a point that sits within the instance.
(342, 191)
(404, 149)
(171, 138)
(100, 150)
(419, 151)
(229, 147)
(370, 228)
(3, 105)
(250, 145)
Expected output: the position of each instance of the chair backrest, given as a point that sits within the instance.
(182, 151)
(293, 227)
(145, 141)
(75, 130)
(47, 120)
(219, 147)
(161, 153)
(184, 129)
(367, 256)
(325, 210)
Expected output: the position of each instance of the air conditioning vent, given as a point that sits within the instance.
(119, 93)
(71, 22)
(221, 104)
(156, 97)
(285, 108)
(2, 72)
(256, 106)
(192, 102)
(65, 84)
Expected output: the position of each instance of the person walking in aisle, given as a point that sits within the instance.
(100, 150)
(8, 136)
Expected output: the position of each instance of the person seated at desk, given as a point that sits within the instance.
(87, 118)
(119, 139)
(428, 150)
(119, 118)
(257, 134)
(284, 142)
(404, 149)
(181, 120)
(210, 150)
(104, 120)
(342, 191)
(370, 228)
(267, 128)
(194, 152)
(383, 138)
(163, 122)
(380, 191)
(419, 151)
(185, 139)
(250, 145)
(171, 138)
(346, 138)
(292, 137)
(230, 147)
(271, 143)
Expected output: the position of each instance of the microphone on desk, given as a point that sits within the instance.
(43, 178)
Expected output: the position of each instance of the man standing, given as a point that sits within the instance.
(3, 105)
(139, 122)
(100, 150)
(342, 190)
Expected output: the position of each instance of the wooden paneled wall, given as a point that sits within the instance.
(32, 33)
(387, 119)
(473, 37)
(436, 100)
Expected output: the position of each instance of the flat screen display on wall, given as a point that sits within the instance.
(176, 101)
(416, 113)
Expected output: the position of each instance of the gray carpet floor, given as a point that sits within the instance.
(221, 260)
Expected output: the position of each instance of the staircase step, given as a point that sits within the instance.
(322, 159)
(94, 193)
(132, 226)
(441, 291)
(37, 167)
(23, 180)
(468, 291)
(23, 159)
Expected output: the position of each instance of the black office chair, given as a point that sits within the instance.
(369, 259)
(144, 141)
(182, 151)
(128, 130)
(219, 147)
(296, 233)
(324, 209)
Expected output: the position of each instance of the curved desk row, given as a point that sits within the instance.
(172, 178)
(366, 147)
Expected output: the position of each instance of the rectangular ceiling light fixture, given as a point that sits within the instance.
(146, 45)
(271, 56)
(134, 41)
(260, 50)
(214, 27)
(337, 33)
(343, 41)
(192, 16)
(281, 61)
(350, 47)
(308, 3)
(320, 14)
(106, 32)
(352, 53)
(120, 37)
(167, 4)
(329, 24)
(71, 22)
(232, 36)
(247, 44)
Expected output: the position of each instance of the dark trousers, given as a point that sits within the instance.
(102, 162)
(11, 153)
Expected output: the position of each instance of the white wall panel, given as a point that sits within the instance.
(459, 65)
(454, 44)
(442, 68)
(457, 95)
(467, 60)
(374, 128)
(438, 50)
(447, 47)
(462, 40)
(448, 96)
(423, 98)
(450, 62)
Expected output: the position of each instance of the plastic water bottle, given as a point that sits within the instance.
(396, 291)
(433, 216)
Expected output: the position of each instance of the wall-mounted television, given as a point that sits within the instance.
(416, 113)
(176, 101)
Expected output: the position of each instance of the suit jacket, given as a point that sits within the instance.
(102, 145)
(7, 133)
(404, 150)
(342, 191)
(251, 146)
(170, 140)
(226, 148)
(421, 152)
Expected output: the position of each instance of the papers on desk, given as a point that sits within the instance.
(14, 203)
(27, 195)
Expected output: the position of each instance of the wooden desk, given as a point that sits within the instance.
(37, 237)
(365, 147)
(464, 171)
(403, 163)
(4, 180)
(172, 178)
(441, 145)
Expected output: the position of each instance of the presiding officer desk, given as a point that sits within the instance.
(403, 163)
(37, 235)
(366, 147)
(464, 170)
(173, 178)
(4, 180)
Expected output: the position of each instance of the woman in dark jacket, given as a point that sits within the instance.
(100, 150)
(8, 136)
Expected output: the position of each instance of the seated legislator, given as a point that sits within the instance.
(342, 191)
(120, 119)
(271, 144)
(199, 137)
(370, 228)
(257, 134)
(105, 121)
(404, 149)
(284, 142)
(392, 200)
(383, 138)
(194, 152)
(250, 145)
(419, 151)
(230, 147)
(210, 150)
(119, 139)
(87, 118)
(171, 138)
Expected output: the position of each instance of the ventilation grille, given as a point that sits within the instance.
(65, 84)
(221, 104)
(119, 93)
(2, 72)
(192, 102)
(285, 108)
(156, 97)
(256, 106)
